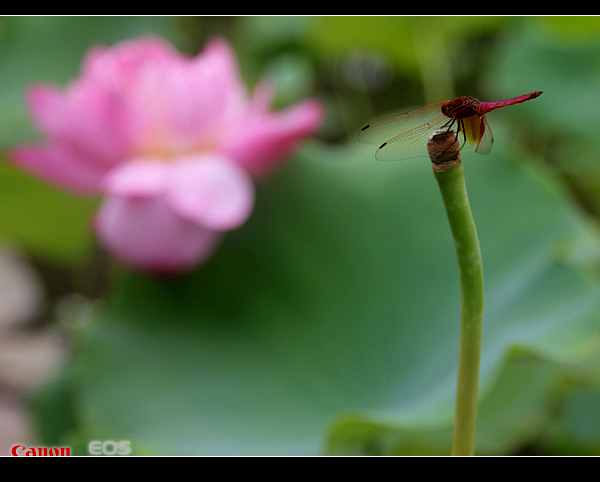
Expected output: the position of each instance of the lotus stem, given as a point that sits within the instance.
(444, 151)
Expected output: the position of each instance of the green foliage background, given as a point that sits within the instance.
(328, 324)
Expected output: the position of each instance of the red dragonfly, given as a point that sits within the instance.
(405, 136)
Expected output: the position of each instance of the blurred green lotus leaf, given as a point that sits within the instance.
(329, 322)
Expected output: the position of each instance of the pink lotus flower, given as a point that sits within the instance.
(171, 142)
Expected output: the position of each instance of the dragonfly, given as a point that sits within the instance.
(405, 136)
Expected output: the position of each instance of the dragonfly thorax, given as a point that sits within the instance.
(460, 108)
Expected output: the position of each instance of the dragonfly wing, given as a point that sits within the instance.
(383, 130)
(475, 132)
(487, 139)
(410, 144)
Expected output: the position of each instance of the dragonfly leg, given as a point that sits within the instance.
(460, 124)
(448, 125)
(461, 128)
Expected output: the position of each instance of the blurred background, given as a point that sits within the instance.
(542, 373)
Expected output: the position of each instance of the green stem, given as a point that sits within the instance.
(454, 194)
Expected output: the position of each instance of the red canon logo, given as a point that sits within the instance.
(21, 450)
